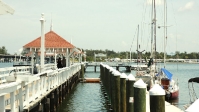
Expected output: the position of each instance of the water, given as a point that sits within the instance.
(2, 65)
(87, 97)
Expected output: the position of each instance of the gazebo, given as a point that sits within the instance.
(50, 44)
(54, 45)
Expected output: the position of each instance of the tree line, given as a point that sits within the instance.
(126, 55)
(3, 50)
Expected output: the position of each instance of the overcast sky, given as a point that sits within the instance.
(102, 24)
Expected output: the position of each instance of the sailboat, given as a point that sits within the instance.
(164, 77)
(142, 73)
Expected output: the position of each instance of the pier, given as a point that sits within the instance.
(116, 65)
(125, 94)
(21, 91)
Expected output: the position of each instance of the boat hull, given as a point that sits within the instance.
(172, 95)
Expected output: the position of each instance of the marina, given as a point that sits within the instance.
(182, 71)
(51, 74)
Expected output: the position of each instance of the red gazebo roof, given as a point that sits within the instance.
(52, 40)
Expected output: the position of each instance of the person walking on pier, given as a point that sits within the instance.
(64, 62)
(59, 63)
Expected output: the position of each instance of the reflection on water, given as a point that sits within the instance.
(86, 97)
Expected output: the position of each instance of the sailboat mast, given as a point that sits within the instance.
(137, 45)
(165, 27)
(152, 31)
(155, 33)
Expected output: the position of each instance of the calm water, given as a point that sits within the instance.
(87, 97)
(2, 65)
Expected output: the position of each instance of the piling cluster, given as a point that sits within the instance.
(125, 94)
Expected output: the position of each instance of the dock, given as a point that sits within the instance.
(125, 94)
(46, 90)
(116, 65)
(21, 91)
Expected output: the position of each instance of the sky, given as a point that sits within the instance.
(103, 24)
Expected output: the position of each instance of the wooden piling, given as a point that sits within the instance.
(101, 68)
(82, 71)
(110, 85)
(52, 102)
(40, 109)
(123, 77)
(157, 97)
(117, 91)
(60, 94)
(95, 68)
(106, 80)
(113, 89)
(139, 96)
(56, 93)
(130, 93)
(103, 75)
(64, 91)
(47, 105)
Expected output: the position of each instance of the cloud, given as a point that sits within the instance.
(157, 2)
(188, 6)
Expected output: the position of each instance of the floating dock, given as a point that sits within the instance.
(92, 80)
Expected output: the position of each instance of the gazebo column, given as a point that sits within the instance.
(69, 51)
(55, 59)
(32, 60)
(67, 58)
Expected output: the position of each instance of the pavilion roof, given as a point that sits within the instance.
(52, 40)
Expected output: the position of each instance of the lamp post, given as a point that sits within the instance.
(42, 49)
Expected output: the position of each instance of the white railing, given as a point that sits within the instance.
(19, 88)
